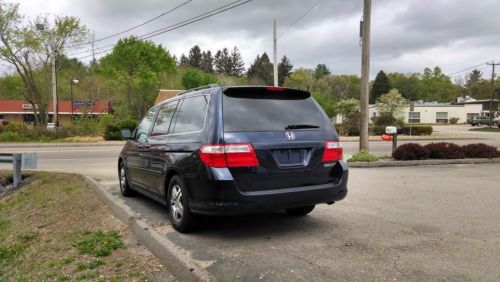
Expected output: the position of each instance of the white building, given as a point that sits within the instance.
(434, 112)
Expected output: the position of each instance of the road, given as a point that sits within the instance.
(100, 161)
(423, 223)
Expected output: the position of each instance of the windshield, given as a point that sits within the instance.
(262, 110)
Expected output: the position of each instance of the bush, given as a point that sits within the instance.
(445, 150)
(417, 130)
(386, 119)
(113, 130)
(377, 129)
(480, 150)
(454, 120)
(193, 78)
(350, 124)
(363, 156)
(21, 133)
(410, 151)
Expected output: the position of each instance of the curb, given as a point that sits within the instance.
(421, 162)
(178, 260)
(406, 139)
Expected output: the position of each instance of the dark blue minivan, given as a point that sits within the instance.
(234, 150)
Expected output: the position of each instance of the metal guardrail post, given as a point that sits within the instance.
(16, 168)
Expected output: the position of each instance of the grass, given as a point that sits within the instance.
(363, 156)
(56, 229)
(486, 129)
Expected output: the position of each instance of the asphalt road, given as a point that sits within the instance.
(101, 161)
(423, 223)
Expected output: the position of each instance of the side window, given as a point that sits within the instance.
(163, 119)
(190, 115)
(143, 129)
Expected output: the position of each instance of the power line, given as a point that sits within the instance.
(466, 69)
(183, 23)
(299, 18)
(134, 27)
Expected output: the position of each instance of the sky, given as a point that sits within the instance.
(407, 35)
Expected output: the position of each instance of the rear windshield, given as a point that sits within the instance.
(262, 110)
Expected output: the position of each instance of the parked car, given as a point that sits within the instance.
(479, 120)
(232, 151)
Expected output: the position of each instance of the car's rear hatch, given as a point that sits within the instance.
(287, 130)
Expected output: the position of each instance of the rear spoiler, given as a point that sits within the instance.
(242, 90)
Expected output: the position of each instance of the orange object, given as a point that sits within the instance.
(386, 137)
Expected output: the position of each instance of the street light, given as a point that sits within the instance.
(71, 82)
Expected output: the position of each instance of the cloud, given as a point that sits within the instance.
(406, 35)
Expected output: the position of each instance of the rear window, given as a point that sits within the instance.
(251, 109)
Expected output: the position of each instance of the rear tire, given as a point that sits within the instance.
(301, 211)
(178, 204)
(125, 189)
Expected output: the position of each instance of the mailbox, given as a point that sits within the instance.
(391, 130)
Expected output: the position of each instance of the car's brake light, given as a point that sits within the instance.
(333, 151)
(228, 155)
(275, 88)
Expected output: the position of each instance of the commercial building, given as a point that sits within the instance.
(21, 112)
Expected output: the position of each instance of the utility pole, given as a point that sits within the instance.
(55, 105)
(275, 55)
(492, 64)
(365, 74)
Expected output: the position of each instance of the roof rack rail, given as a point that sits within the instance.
(199, 88)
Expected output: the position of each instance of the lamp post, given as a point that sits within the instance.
(71, 82)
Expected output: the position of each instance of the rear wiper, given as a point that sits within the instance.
(300, 126)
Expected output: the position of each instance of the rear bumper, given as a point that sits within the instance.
(235, 202)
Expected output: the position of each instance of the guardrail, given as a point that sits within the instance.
(19, 161)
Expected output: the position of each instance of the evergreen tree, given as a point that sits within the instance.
(321, 70)
(381, 86)
(237, 65)
(184, 61)
(222, 61)
(261, 71)
(284, 69)
(472, 83)
(207, 62)
(195, 57)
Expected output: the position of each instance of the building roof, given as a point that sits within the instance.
(24, 107)
(164, 94)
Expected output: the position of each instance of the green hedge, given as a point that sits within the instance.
(418, 130)
(113, 130)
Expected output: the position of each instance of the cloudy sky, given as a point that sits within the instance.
(407, 35)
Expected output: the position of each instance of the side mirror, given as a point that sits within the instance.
(126, 134)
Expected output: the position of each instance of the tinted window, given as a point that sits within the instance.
(272, 111)
(190, 115)
(163, 119)
(143, 129)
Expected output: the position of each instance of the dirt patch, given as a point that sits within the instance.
(56, 229)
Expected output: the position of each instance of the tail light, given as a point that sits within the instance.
(228, 155)
(333, 151)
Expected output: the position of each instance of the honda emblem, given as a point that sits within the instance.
(290, 135)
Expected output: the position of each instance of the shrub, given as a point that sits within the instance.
(411, 151)
(195, 78)
(387, 119)
(417, 130)
(113, 130)
(377, 129)
(480, 150)
(351, 123)
(445, 150)
(363, 156)
(454, 120)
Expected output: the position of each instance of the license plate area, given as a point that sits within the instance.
(291, 157)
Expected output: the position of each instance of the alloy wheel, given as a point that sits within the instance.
(176, 207)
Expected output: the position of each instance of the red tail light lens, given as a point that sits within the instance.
(228, 155)
(275, 88)
(333, 151)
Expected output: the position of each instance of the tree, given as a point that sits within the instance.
(222, 61)
(472, 83)
(407, 84)
(184, 61)
(436, 86)
(381, 86)
(349, 109)
(136, 65)
(195, 57)
(261, 71)
(300, 78)
(284, 69)
(193, 78)
(237, 67)
(392, 103)
(207, 62)
(321, 70)
(29, 50)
